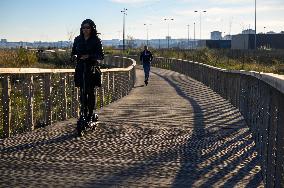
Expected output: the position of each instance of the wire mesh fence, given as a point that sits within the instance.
(34, 98)
(260, 99)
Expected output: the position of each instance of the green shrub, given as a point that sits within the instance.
(26, 58)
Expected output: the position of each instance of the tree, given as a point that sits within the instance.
(130, 41)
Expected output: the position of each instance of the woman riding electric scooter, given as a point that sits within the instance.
(87, 48)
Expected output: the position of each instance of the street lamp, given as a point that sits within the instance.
(124, 13)
(194, 34)
(255, 24)
(188, 34)
(264, 30)
(169, 19)
(200, 19)
(147, 31)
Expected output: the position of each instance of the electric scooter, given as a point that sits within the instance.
(84, 124)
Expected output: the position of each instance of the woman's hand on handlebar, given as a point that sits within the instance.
(84, 57)
(73, 58)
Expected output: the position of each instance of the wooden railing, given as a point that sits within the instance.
(32, 98)
(260, 99)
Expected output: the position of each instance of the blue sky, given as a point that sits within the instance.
(54, 20)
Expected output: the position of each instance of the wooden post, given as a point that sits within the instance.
(47, 96)
(108, 87)
(113, 88)
(30, 105)
(279, 178)
(129, 82)
(116, 85)
(63, 84)
(102, 94)
(96, 98)
(122, 84)
(6, 107)
(119, 85)
(272, 136)
(75, 101)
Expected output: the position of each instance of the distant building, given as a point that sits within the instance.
(3, 41)
(213, 44)
(216, 35)
(271, 32)
(168, 37)
(227, 37)
(36, 44)
(113, 42)
(248, 31)
(269, 41)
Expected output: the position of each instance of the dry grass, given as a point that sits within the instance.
(10, 58)
(17, 58)
(260, 61)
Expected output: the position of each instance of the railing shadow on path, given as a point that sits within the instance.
(216, 155)
(220, 150)
(220, 171)
(57, 139)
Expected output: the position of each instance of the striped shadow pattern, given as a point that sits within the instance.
(175, 132)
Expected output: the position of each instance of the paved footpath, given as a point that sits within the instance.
(175, 132)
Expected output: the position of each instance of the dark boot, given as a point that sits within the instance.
(146, 82)
(92, 117)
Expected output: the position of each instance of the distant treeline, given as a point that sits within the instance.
(259, 60)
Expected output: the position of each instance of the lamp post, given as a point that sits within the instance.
(200, 12)
(169, 19)
(255, 24)
(188, 34)
(124, 13)
(194, 34)
(147, 32)
(264, 30)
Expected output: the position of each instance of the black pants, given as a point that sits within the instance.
(146, 67)
(84, 79)
(88, 101)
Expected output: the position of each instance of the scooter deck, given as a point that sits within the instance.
(89, 128)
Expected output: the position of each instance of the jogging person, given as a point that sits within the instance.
(146, 57)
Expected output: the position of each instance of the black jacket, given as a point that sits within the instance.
(146, 56)
(93, 48)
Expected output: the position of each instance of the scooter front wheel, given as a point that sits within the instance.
(81, 126)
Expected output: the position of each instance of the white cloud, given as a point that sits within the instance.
(130, 1)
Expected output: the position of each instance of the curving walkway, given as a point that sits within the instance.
(175, 132)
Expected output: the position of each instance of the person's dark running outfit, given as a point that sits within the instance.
(92, 48)
(146, 57)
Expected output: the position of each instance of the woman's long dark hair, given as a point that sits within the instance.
(94, 31)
